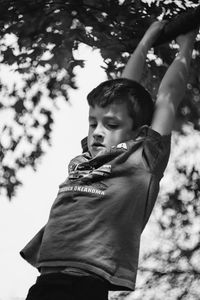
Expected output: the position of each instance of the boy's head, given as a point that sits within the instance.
(117, 109)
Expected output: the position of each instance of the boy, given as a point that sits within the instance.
(90, 244)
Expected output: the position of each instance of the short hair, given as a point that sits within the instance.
(121, 90)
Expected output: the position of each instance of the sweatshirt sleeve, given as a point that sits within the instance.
(156, 150)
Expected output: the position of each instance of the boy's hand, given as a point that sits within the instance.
(187, 39)
(153, 33)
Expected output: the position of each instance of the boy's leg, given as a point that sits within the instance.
(59, 286)
(91, 288)
(51, 287)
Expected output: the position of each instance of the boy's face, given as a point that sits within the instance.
(108, 126)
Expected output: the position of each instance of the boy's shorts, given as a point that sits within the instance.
(59, 286)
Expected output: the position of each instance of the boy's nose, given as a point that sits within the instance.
(98, 132)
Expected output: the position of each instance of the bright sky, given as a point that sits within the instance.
(29, 210)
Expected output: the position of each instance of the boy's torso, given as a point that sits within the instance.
(100, 211)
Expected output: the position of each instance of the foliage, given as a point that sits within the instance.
(175, 265)
(170, 269)
(46, 33)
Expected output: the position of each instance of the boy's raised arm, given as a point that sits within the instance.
(134, 67)
(173, 86)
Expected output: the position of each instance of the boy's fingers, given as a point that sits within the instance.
(163, 22)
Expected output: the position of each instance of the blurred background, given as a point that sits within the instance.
(52, 54)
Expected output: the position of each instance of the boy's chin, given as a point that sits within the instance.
(96, 152)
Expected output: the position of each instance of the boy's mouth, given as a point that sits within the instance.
(97, 145)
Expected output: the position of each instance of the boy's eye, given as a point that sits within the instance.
(113, 126)
(93, 125)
